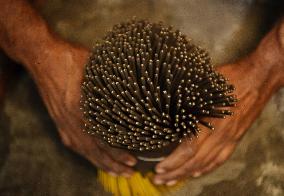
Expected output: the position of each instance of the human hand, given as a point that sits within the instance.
(57, 68)
(211, 149)
(256, 78)
(58, 76)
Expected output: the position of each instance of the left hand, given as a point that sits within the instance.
(208, 151)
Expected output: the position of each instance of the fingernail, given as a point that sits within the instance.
(130, 163)
(160, 170)
(112, 174)
(196, 174)
(158, 181)
(171, 183)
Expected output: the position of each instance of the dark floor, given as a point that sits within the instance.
(34, 162)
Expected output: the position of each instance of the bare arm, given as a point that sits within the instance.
(57, 68)
(25, 36)
(256, 77)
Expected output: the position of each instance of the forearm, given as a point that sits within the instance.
(263, 69)
(269, 56)
(257, 77)
(24, 35)
(26, 38)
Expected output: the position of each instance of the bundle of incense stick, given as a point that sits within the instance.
(147, 86)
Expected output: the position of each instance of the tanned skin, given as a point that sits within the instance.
(57, 68)
(256, 78)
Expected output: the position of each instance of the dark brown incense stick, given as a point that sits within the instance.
(147, 85)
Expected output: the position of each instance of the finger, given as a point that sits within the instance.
(181, 172)
(181, 154)
(219, 160)
(208, 146)
(209, 149)
(112, 165)
(205, 170)
(118, 168)
(121, 156)
(173, 175)
(176, 174)
(98, 154)
(92, 157)
(100, 157)
(212, 156)
(208, 159)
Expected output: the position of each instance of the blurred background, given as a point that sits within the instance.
(33, 161)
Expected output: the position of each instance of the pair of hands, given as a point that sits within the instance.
(60, 89)
(57, 68)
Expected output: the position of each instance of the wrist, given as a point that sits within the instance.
(269, 56)
(40, 48)
(56, 63)
(264, 75)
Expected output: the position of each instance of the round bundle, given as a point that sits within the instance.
(147, 85)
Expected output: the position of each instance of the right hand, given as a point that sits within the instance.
(58, 76)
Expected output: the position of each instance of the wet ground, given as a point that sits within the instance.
(34, 162)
